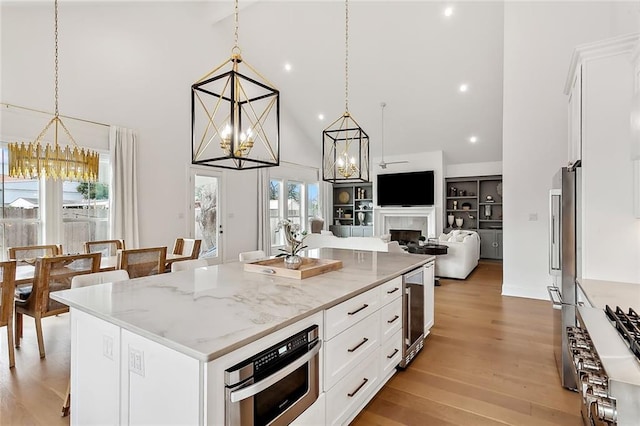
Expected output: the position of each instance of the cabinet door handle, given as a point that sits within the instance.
(358, 310)
(364, 340)
(393, 354)
(393, 291)
(392, 320)
(352, 394)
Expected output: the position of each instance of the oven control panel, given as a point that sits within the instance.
(282, 350)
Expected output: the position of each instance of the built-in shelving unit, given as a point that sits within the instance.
(475, 203)
(352, 210)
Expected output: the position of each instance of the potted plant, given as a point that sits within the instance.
(295, 238)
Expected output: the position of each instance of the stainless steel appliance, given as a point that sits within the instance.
(276, 385)
(564, 263)
(607, 365)
(413, 314)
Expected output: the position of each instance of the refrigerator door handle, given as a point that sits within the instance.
(555, 296)
(555, 203)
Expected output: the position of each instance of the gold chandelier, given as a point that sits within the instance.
(33, 161)
(345, 146)
(235, 116)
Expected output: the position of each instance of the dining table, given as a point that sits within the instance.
(26, 272)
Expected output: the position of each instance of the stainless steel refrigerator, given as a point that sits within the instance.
(564, 263)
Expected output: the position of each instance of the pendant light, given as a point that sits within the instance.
(345, 146)
(235, 116)
(33, 161)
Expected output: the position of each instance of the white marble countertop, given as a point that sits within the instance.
(208, 312)
(600, 293)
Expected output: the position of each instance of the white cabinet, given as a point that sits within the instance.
(159, 385)
(118, 377)
(362, 347)
(346, 350)
(95, 362)
(429, 297)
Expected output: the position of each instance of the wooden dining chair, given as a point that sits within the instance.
(51, 274)
(28, 254)
(187, 246)
(185, 265)
(143, 262)
(106, 247)
(7, 287)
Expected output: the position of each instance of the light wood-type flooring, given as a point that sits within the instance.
(488, 361)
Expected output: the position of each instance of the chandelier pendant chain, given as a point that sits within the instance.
(236, 47)
(56, 58)
(346, 56)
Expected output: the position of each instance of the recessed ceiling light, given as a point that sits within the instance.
(320, 117)
(448, 11)
(464, 87)
(287, 67)
(473, 139)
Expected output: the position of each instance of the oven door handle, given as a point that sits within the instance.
(251, 390)
(557, 299)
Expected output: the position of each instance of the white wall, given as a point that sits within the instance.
(538, 41)
(132, 64)
(474, 169)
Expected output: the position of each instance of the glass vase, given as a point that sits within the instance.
(292, 261)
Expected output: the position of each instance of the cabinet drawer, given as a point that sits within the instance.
(351, 392)
(391, 290)
(349, 312)
(391, 353)
(390, 319)
(349, 348)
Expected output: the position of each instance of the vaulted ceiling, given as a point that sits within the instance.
(407, 54)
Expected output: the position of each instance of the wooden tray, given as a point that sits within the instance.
(309, 268)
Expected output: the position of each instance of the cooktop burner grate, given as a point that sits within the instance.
(628, 325)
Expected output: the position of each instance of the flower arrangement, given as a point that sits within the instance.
(294, 236)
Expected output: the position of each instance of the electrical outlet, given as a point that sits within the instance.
(533, 217)
(136, 361)
(107, 346)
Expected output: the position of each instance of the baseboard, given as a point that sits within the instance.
(526, 292)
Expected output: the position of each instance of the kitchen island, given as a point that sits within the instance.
(159, 346)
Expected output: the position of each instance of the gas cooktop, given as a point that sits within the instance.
(628, 326)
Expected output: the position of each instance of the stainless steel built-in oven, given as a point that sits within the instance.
(276, 385)
(413, 314)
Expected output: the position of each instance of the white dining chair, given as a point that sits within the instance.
(252, 255)
(99, 278)
(185, 265)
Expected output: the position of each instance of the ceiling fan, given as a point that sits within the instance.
(383, 164)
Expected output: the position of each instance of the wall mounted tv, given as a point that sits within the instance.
(406, 189)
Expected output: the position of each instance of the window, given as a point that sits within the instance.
(85, 210)
(20, 223)
(295, 200)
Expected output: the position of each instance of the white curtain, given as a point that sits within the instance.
(264, 226)
(123, 207)
(326, 192)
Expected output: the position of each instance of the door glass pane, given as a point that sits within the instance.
(313, 200)
(276, 213)
(295, 208)
(85, 210)
(206, 210)
(20, 218)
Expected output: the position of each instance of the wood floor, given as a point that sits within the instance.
(488, 361)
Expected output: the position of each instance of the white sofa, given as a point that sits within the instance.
(462, 255)
(313, 241)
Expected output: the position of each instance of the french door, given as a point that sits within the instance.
(206, 213)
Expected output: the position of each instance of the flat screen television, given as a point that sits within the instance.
(406, 189)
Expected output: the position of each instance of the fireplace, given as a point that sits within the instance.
(420, 219)
(405, 236)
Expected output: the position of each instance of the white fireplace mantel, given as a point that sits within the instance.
(384, 215)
